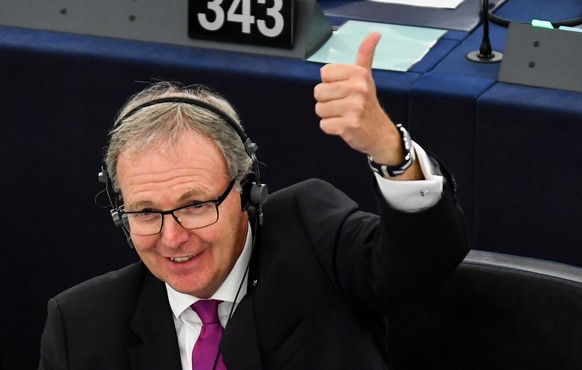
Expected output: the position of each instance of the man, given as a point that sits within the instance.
(301, 279)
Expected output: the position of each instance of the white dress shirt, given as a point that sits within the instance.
(408, 196)
(187, 322)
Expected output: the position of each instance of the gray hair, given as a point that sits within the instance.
(163, 123)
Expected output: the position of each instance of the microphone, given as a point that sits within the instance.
(485, 54)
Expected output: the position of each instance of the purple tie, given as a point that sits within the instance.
(206, 354)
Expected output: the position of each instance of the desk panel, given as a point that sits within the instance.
(528, 160)
(521, 132)
(456, 112)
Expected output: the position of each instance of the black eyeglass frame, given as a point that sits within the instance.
(217, 202)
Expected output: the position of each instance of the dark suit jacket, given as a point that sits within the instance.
(327, 275)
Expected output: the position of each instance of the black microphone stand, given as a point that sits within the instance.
(485, 54)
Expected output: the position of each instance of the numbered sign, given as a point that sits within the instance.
(258, 22)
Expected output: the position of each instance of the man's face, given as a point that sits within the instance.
(195, 261)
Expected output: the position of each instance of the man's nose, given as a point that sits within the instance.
(173, 234)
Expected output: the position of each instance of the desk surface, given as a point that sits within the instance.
(464, 18)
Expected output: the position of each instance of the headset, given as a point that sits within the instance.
(254, 193)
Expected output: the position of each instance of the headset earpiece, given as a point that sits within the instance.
(255, 194)
(114, 198)
(258, 194)
(247, 185)
(115, 216)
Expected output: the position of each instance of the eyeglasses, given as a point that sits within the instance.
(193, 216)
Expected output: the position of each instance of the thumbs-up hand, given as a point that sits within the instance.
(348, 107)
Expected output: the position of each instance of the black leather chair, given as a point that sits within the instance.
(496, 311)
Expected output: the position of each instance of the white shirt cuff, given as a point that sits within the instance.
(413, 196)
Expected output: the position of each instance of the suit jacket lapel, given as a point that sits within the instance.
(240, 348)
(152, 322)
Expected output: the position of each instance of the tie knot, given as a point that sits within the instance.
(207, 310)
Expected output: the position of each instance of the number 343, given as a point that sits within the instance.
(242, 12)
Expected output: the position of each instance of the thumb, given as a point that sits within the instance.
(366, 51)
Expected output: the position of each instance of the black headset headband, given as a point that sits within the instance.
(250, 147)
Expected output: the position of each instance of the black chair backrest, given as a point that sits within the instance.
(495, 311)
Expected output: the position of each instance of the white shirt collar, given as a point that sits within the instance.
(227, 291)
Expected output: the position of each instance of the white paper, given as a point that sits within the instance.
(399, 48)
(447, 4)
